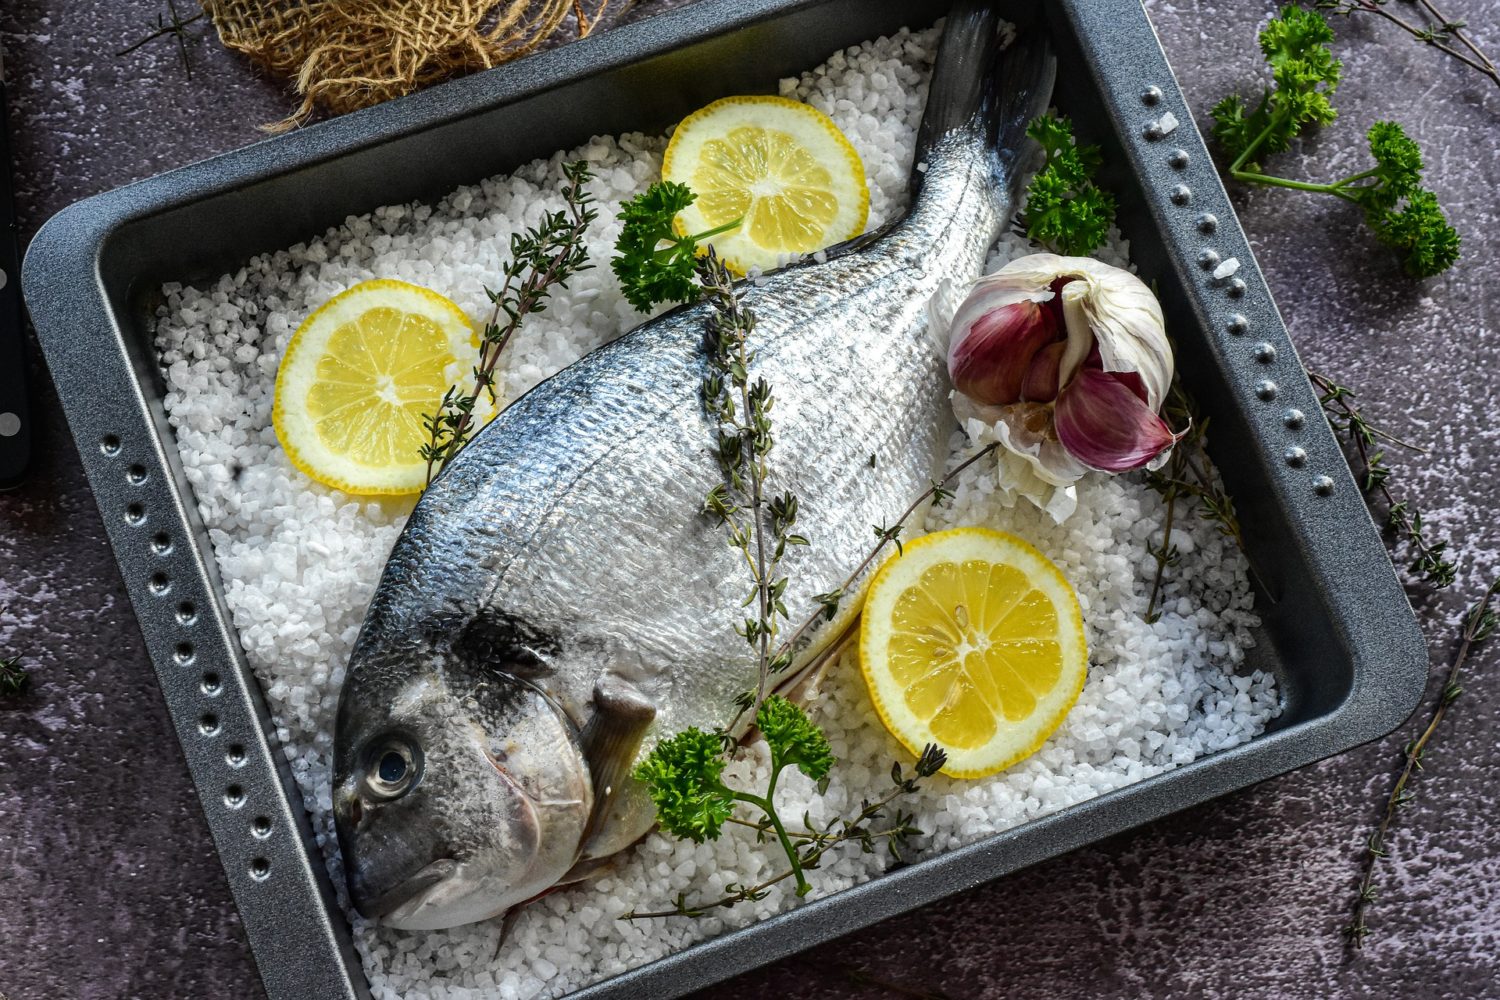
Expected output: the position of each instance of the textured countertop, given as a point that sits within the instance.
(109, 886)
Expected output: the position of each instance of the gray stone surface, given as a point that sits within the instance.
(108, 884)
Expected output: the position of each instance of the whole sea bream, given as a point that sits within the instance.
(559, 601)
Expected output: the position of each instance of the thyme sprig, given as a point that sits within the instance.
(14, 678)
(1187, 476)
(806, 848)
(1430, 561)
(543, 257)
(1479, 624)
(1436, 29)
(761, 527)
(176, 27)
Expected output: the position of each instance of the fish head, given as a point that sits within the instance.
(457, 794)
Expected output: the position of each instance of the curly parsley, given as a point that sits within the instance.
(1401, 213)
(653, 262)
(1065, 210)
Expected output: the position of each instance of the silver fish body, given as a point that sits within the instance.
(558, 600)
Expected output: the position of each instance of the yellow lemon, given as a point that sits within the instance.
(357, 379)
(781, 167)
(972, 640)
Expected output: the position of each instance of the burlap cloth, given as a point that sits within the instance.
(347, 54)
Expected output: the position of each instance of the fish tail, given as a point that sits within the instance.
(978, 87)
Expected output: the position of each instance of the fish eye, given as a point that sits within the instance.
(393, 768)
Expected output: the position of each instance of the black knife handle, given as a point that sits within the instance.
(15, 415)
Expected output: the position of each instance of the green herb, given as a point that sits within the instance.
(654, 263)
(684, 775)
(176, 27)
(1479, 624)
(1188, 475)
(1430, 560)
(1441, 32)
(1400, 212)
(541, 258)
(1065, 210)
(14, 679)
(760, 527)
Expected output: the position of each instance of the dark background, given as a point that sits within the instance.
(109, 886)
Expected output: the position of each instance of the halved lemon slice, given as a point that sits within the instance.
(972, 640)
(780, 166)
(357, 379)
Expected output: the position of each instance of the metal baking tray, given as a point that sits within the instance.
(1338, 631)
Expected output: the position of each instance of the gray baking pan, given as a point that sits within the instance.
(1338, 631)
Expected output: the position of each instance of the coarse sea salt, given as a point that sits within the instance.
(300, 562)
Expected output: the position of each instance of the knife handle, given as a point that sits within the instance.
(15, 415)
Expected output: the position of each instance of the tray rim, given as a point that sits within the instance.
(76, 323)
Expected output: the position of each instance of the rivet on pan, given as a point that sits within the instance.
(261, 827)
(260, 869)
(1323, 486)
(110, 445)
(1208, 259)
(1178, 158)
(1181, 194)
(1296, 457)
(136, 475)
(135, 515)
(235, 756)
(1236, 288)
(209, 724)
(1208, 223)
(211, 685)
(1237, 324)
(1151, 96)
(234, 796)
(161, 543)
(187, 614)
(1265, 353)
(1266, 389)
(1294, 418)
(184, 654)
(159, 584)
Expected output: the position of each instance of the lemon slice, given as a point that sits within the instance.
(357, 378)
(780, 166)
(972, 640)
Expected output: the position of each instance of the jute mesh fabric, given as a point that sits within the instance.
(347, 54)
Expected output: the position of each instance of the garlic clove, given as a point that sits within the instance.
(989, 357)
(1042, 376)
(1105, 420)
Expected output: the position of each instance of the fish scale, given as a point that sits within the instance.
(561, 576)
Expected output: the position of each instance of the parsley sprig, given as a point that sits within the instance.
(1065, 210)
(685, 777)
(1402, 214)
(653, 261)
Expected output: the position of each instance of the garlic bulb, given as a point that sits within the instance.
(1068, 358)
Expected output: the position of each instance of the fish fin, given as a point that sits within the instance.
(588, 868)
(611, 741)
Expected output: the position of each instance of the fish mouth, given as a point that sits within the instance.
(411, 895)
